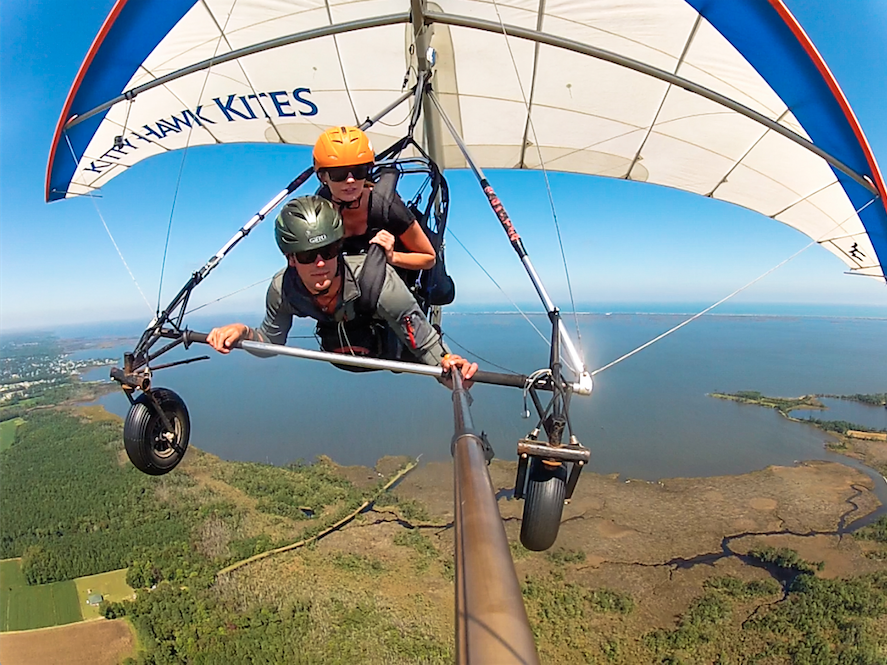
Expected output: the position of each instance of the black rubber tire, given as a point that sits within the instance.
(543, 505)
(149, 445)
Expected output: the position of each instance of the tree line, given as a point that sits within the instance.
(70, 509)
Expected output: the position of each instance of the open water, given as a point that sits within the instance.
(649, 417)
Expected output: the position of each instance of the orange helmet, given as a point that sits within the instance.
(342, 146)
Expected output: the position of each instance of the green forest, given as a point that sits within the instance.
(72, 505)
(70, 508)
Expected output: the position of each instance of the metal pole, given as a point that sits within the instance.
(491, 621)
(267, 350)
(578, 365)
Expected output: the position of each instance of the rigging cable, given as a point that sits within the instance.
(469, 352)
(520, 311)
(542, 166)
(815, 241)
(107, 230)
(175, 195)
(233, 293)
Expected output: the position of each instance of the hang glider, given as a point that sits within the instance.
(728, 100)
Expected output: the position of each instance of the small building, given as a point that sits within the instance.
(94, 599)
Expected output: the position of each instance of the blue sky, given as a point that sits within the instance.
(58, 265)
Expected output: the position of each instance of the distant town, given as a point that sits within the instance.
(31, 368)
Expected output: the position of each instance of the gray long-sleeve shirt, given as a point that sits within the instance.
(396, 306)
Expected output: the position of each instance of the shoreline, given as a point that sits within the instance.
(833, 436)
(829, 455)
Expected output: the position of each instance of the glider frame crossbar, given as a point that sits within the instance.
(429, 18)
(189, 337)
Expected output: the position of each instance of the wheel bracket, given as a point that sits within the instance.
(573, 452)
(163, 417)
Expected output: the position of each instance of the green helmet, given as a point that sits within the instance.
(308, 222)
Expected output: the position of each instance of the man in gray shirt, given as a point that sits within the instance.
(320, 283)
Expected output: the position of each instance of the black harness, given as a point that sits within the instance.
(432, 286)
(359, 332)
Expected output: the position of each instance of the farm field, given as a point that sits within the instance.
(7, 432)
(85, 643)
(24, 607)
(112, 585)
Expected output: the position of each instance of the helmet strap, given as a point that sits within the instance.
(347, 205)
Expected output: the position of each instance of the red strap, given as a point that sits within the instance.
(408, 324)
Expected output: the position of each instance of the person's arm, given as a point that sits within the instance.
(274, 328)
(401, 224)
(419, 255)
(399, 309)
(278, 318)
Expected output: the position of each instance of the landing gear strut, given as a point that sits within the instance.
(547, 471)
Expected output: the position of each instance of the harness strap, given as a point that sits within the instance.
(384, 190)
(371, 280)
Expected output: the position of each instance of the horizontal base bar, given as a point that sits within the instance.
(565, 453)
(265, 349)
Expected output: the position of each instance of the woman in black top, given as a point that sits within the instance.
(343, 158)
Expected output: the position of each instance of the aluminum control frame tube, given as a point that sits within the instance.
(180, 301)
(491, 620)
(575, 360)
(188, 337)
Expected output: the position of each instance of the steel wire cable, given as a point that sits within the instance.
(815, 241)
(544, 170)
(108, 230)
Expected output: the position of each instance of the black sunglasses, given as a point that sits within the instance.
(341, 173)
(327, 253)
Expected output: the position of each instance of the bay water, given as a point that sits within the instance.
(648, 417)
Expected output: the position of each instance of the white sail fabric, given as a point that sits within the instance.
(516, 104)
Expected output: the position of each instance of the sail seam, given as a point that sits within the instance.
(804, 198)
(536, 47)
(329, 14)
(223, 36)
(668, 88)
(746, 154)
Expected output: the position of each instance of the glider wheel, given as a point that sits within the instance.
(543, 505)
(151, 445)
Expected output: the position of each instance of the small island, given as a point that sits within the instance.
(785, 406)
(864, 443)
